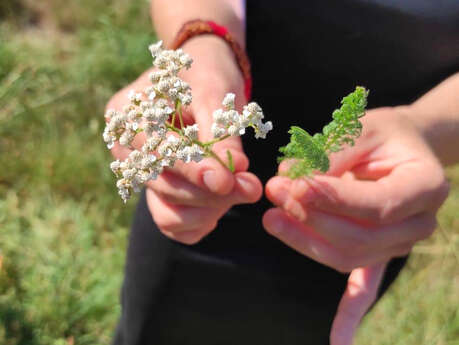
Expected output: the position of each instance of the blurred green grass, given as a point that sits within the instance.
(62, 226)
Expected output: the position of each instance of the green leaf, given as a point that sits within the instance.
(311, 153)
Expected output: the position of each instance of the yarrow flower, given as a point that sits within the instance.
(230, 122)
(154, 110)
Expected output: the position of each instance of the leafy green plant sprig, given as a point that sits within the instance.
(311, 152)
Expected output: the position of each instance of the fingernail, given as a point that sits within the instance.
(210, 180)
(246, 185)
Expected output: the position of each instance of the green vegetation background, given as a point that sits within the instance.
(63, 228)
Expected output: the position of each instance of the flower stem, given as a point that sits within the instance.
(214, 155)
(178, 107)
(210, 143)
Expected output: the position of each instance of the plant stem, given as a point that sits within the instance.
(173, 118)
(178, 107)
(214, 155)
(210, 143)
(206, 146)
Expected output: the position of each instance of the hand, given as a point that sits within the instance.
(187, 200)
(379, 198)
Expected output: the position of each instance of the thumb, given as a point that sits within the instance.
(360, 294)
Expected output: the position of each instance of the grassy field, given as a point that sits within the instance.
(63, 228)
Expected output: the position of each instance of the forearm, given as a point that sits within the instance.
(215, 71)
(437, 116)
(169, 15)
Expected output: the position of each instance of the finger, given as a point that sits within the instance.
(176, 218)
(306, 241)
(174, 189)
(211, 175)
(192, 236)
(301, 238)
(360, 294)
(345, 233)
(387, 200)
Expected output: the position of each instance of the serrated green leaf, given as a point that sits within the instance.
(311, 153)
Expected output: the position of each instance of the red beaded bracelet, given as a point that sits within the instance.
(201, 27)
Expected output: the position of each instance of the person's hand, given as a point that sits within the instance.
(379, 198)
(187, 200)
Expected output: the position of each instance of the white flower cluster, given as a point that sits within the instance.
(229, 122)
(164, 79)
(149, 111)
(142, 166)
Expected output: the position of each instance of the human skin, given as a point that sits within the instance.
(186, 202)
(379, 198)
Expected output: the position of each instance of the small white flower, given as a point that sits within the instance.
(254, 108)
(150, 92)
(135, 156)
(164, 85)
(190, 153)
(127, 108)
(155, 48)
(217, 131)
(132, 115)
(161, 61)
(186, 60)
(191, 131)
(263, 129)
(155, 76)
(131, 95)
(110, 113)
(115, 166)
(148, 161)
(231, 116)
(151, 144)
(219, 117)
(129, 174)
(123, 184)
(134, 97)
(126, 138)
(196, 153)
(173, 93)
(233, 130)
(168, 110)
(228, 101)
(186, 98)
(174, 141)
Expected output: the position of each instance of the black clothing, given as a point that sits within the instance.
(240, 285)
